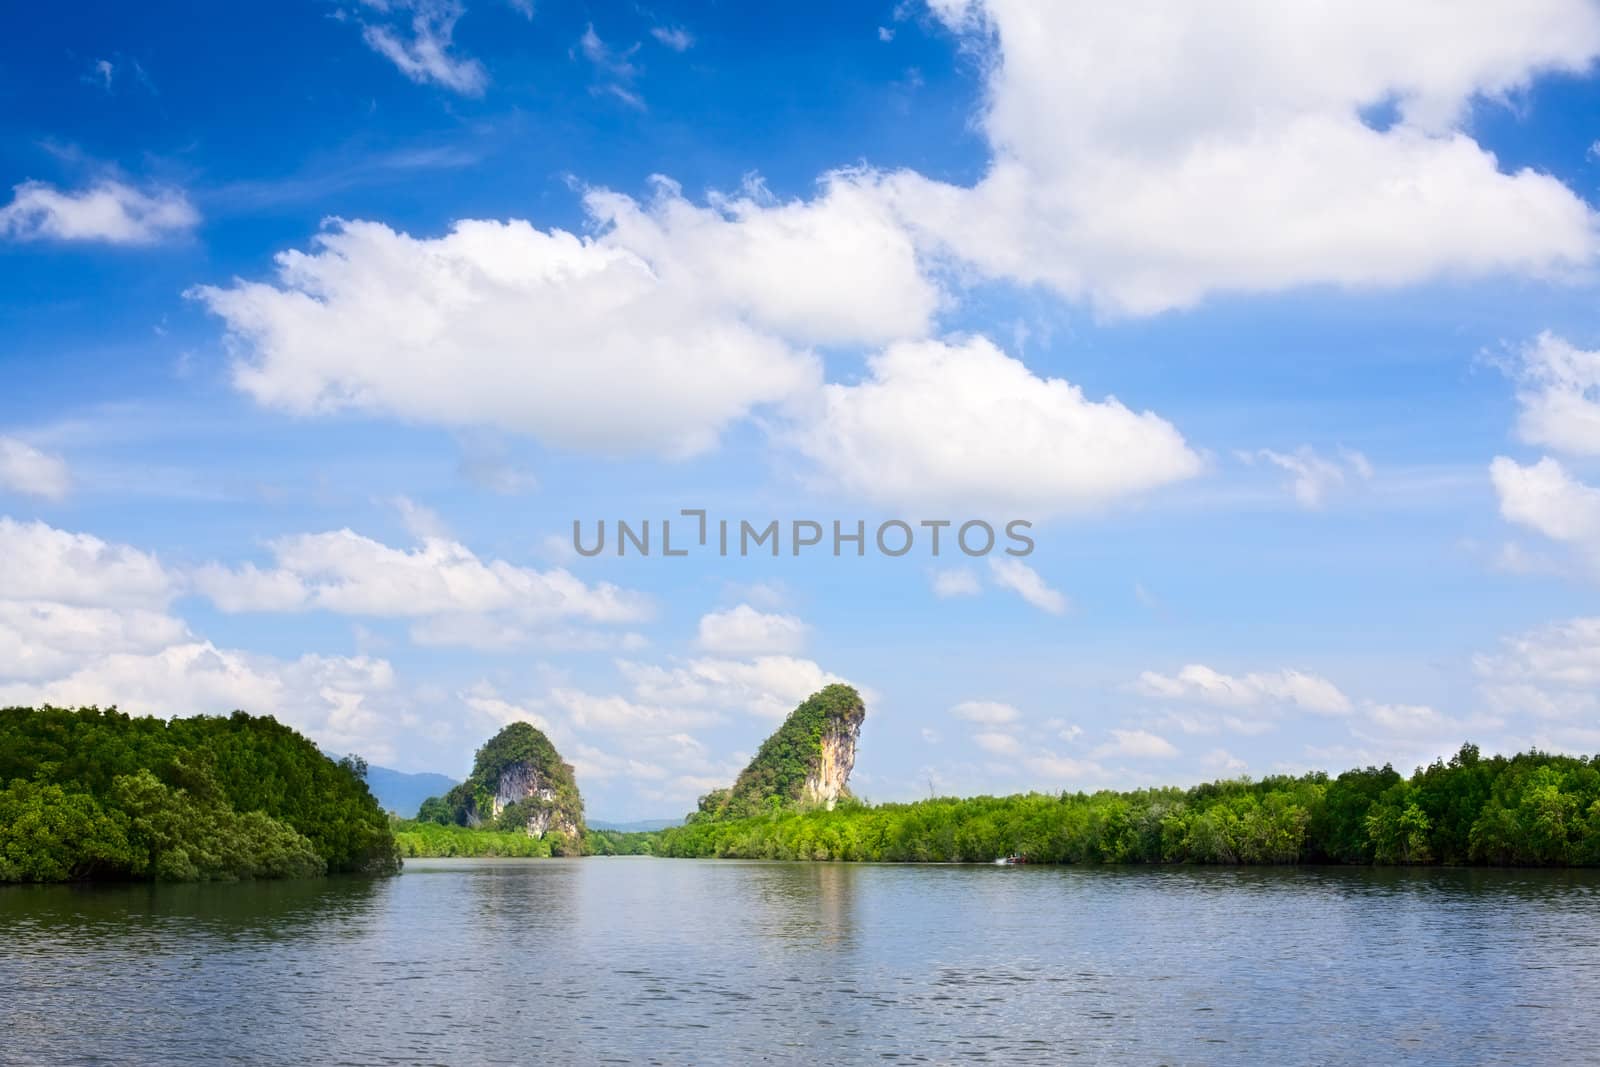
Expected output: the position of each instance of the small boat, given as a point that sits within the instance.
(1011, 860)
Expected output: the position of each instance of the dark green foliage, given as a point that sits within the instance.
(99, 794)
(776, 776)
(1532, 809)
(471, 803)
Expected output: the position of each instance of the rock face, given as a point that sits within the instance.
(519, 782)
(830, 777)
(805, 763)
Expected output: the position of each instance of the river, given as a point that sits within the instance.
(639, 960)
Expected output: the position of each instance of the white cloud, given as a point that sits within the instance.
(325, 696)
(1552, 672)
(674, 37)
(1147, 154)
(101, 72)
(989, 712)
(768, 687)
(83, 621)
(838, 268)
(612, 713)
(998, 744)
(498, 712)
(25, 469)
(672, 323)
(1017, 576)
(1201, 683)
(1544, 497)
(615, 67)
(1559, 396)
(1314, 476)
(955, 581)
(962, 424)
(40, 562)
(425, 55)
(1409, 719)
(1222, 761)
(456, 597)
(108, 211)
(1138, 744)
(743, 629)
(1049, 765)
(42, 639)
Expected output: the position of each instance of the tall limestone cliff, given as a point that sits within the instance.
(805, 763)
(518, 782)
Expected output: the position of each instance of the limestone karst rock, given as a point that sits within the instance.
(519, 782)
(805, 763)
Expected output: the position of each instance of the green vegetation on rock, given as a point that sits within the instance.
(519, 784)
(1531, 809)
(814, 746)
(98, 794)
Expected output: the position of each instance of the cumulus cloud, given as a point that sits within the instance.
(25, 469)
(1558, 396)
(329, 697)
(457, 598)
(1138, 744)
(1197, 682)
(1222, 761)
(743, 630)
(1552, 671)
(767, 687)
(42, 639)
(960, 423)
(1545, 497)
(41, 563)
(998, 744)
(612, 713)
(672, 323)
(990, 712)
(108, 211)
(1410, 719)
(1023, 580)
(421, 50)
(1146, 155)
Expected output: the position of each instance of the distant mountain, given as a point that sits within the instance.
(404, 793)
(641, 826)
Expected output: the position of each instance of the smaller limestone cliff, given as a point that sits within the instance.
(805, 763)
(518, 782)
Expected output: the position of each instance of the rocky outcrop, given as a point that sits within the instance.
(805, 763)
(830, 777)
(519, 782)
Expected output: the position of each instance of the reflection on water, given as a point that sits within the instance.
(674, 961)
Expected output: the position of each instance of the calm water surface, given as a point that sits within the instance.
(678, 961)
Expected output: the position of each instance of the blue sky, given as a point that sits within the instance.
(321, 323)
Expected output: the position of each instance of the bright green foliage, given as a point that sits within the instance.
(99, 794)
(49, 835)
(777, 775)
(1529, 809)
(417, 838)
(470, 803)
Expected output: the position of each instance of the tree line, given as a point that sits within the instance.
(1530, 809)
(97, 794)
